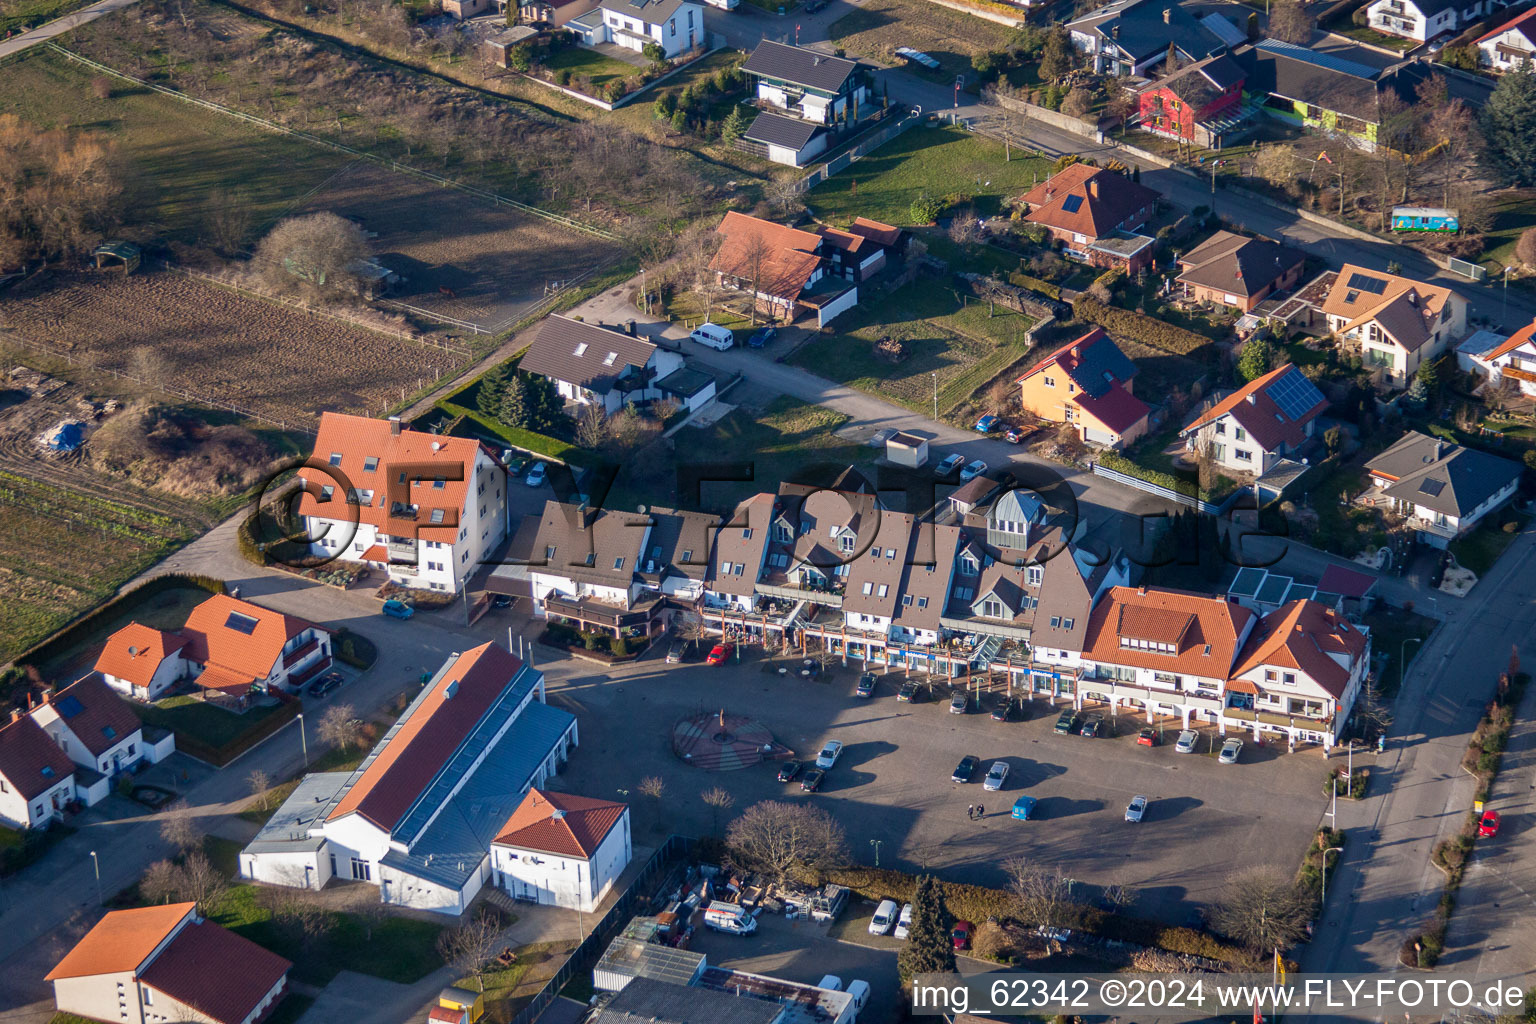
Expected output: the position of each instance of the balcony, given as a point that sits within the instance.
(1445, 530)
(1200, 700)
(832, 597)
(1276, 718)
(290, 660)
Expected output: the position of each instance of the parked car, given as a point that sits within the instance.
(1013, 435)
(761, 337)
(1148, 738)
(884, 919)
(948, 466)
(904, 922)
(325, 684)
(1489, 825)
(789, 769)
(815, 6)
(1092, 725)
(965, 769)
(1023, 807)
(986, 424)
(959, 703)
(910, 692)
(675, 651)
(720, 654)
(1003, 712)
(1188, 739)
(812, 781)
(397, 609)
(502, 601)
(1068, 722)
(866, 687)
(960, 935)
(537, 475)
(714, 336)
(1230, 751)
(514, 464)
(1136, 808)
(829, 754)
(972, 470)
(996, 776)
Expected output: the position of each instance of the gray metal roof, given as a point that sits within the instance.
(287, 831)
(630, 957)
(646, 1001)
(799, 66)
(452, 847)
(777, 130)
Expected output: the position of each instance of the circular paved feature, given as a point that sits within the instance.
(722, 742)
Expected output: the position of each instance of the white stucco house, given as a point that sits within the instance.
(1513, 359)
(1442, 489)
(677, 26)
(610, 367)
(1426, 19)
(97, 729)
(562, 849)
(1260, 423)
(37, 779)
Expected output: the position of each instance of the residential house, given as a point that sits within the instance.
(1398, 322)
(1260, 423)
(141, 661)
(37, 779)
(786, 140)
(1087, 383)
(562, 849)
(554, 13)
(875, 572)
(890, 238)
(1511, 45)
(1094, 213)
(782, 267)
(739, 555)
(585, 567)
(1299, 673)
(1427, 19)
(807, 84)
(608, 367)
(1442, 489)
(168, 965)
(98, 730)
(1200, 103)
(852, 256)
(676, 555)
(677, 26)
(973, 494)
(927, 572)
(1235, 270)
(417, 817)
(817, 536)
(1513, 359)
(426, 509)
(1130, 37)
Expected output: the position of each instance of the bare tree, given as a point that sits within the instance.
(1279, 165)
(1454, 130)
(1289, 22)
(717, 799)
(470, 947)
(756, 252)
(689, 627)
(161, 882)
(228, 219)
(149, 365)
(775, 837)
(201, 882)
(1262, 908)
(784, 195)
(964, 228)
(1041, 898)
(1120, 896)
(709, 290)
(259, 783)
(591, 426)
(653, 787)
(340, 727)
(299, 912)
(322, 249)
(1371, 709)
(179, 828)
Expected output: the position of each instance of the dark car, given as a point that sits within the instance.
(910, 692)
(789, 769)
(1003, 712)
(502, 601)
(965, 769)
(1092, 726)
(675, 651)
(325, 684)
(761, 337)
(812, 781)
(815, 5)
(1069, 722)
(866, 687)
(1148, 738)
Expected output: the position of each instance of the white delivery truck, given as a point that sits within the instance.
(728, 917)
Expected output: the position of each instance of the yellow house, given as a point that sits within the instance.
(1087, 383)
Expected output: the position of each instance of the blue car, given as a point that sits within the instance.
(1023, 807)
(986, 424)
(398, 609)
(761, 337)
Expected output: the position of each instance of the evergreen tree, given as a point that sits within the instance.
(928, 949)
(735, 124)
(492, 392)
(1254, 362)
(1509, 126)
(546, 409)
(1429, 373)
(513, 408)
(1056, 59)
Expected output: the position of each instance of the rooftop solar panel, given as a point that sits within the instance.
(1367, 283)
(1072, 203)
(1294, 394)
(240, 623)
(1321, 60)
(68, 707)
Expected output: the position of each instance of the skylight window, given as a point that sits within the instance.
(370, 464)
(611, 357)
(240, 623)
(326, 490)
(335, 458)
(869, 588)
(884, 589)
(436, 516)
(618, 563)
(581, 349)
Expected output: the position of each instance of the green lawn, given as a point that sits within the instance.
(944, 335)
(877, 27)
(599, 68)
(1390, 628)
(188, 716)
(183, 161)
(925, 161)
(1363, 34)
(20, 14)
(1514, 213)
(1480, 549)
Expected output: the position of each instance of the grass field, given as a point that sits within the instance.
(19, 14)
(61, 552)
(1514, 213)
(185, 161)
(599, 68)
(188, 716)
(1480, 549)
(950, 37)
(960, 343)
(925, 161)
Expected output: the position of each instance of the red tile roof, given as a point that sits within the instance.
(560, 824)
(1523, 24)
(95, 714)
(121, 941)
(360, 442)
(29, 759)
(1117, 408)
(407, 764)
(1262, 417)
(1092, 213)
(781, 258)
(134, 652)
(1524, 335)
(1305, 635)
(239, 657)
(216, 972)
(875, 231)
(1159, 615)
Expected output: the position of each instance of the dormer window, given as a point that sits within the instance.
(1035, 575)
(922, 602)
(890, 552)
(335, 458)
(968, 565)
(549, 552)
(845, 543)
(992, 609)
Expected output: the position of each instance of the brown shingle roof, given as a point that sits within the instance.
(1237, 264)
(1069, 201)
(879, 564)
(741, 542)
(29, 759)
(604, 548)
(216, 972)
(120, 941)
(95, 714)
(136, 651)
(780, 259)
(926, 587)
(584, 354)
(560, 823)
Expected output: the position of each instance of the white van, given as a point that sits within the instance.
(830, 981)
(728, 917)
(884, 919)
(714, 336)
(859, 990)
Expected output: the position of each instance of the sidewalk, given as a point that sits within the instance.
(59, 26)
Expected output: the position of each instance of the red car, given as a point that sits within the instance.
(719, 654)
(961, 936)
(1147, 738)
(1489, 826)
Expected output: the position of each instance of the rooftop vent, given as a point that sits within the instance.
(451, 689)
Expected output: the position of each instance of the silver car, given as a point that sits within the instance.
(1136, 808)
(996, 776)
(1187, 740)
(1229, 751)
(959, 703)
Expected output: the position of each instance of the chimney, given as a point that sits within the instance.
(15, 714)
(47, 694)
(629, 328)
(1142, 590)
(1077, 352)
(1439, 450)
(1167, 15)
(1114, 31)
(394, 425)
(31, 700)
(1093, 187)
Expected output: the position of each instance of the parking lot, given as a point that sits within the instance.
(892, 784)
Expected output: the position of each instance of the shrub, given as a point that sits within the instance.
(1034, 284)
(619, 647)
(926, 209)
(1125, 323)
(563, 76)
(353, 649)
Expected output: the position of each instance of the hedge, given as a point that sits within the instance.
(517, 437)
(1121, 464)
(354, 649)
(219, 756)
(1127, 323)
(76, 632)
(1035, 284)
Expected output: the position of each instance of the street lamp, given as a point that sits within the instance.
(876, 843)
(303, 740)
(1331, 849)
(1504, 316)
(1402, 659)
(935, 375)
(96, 863)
